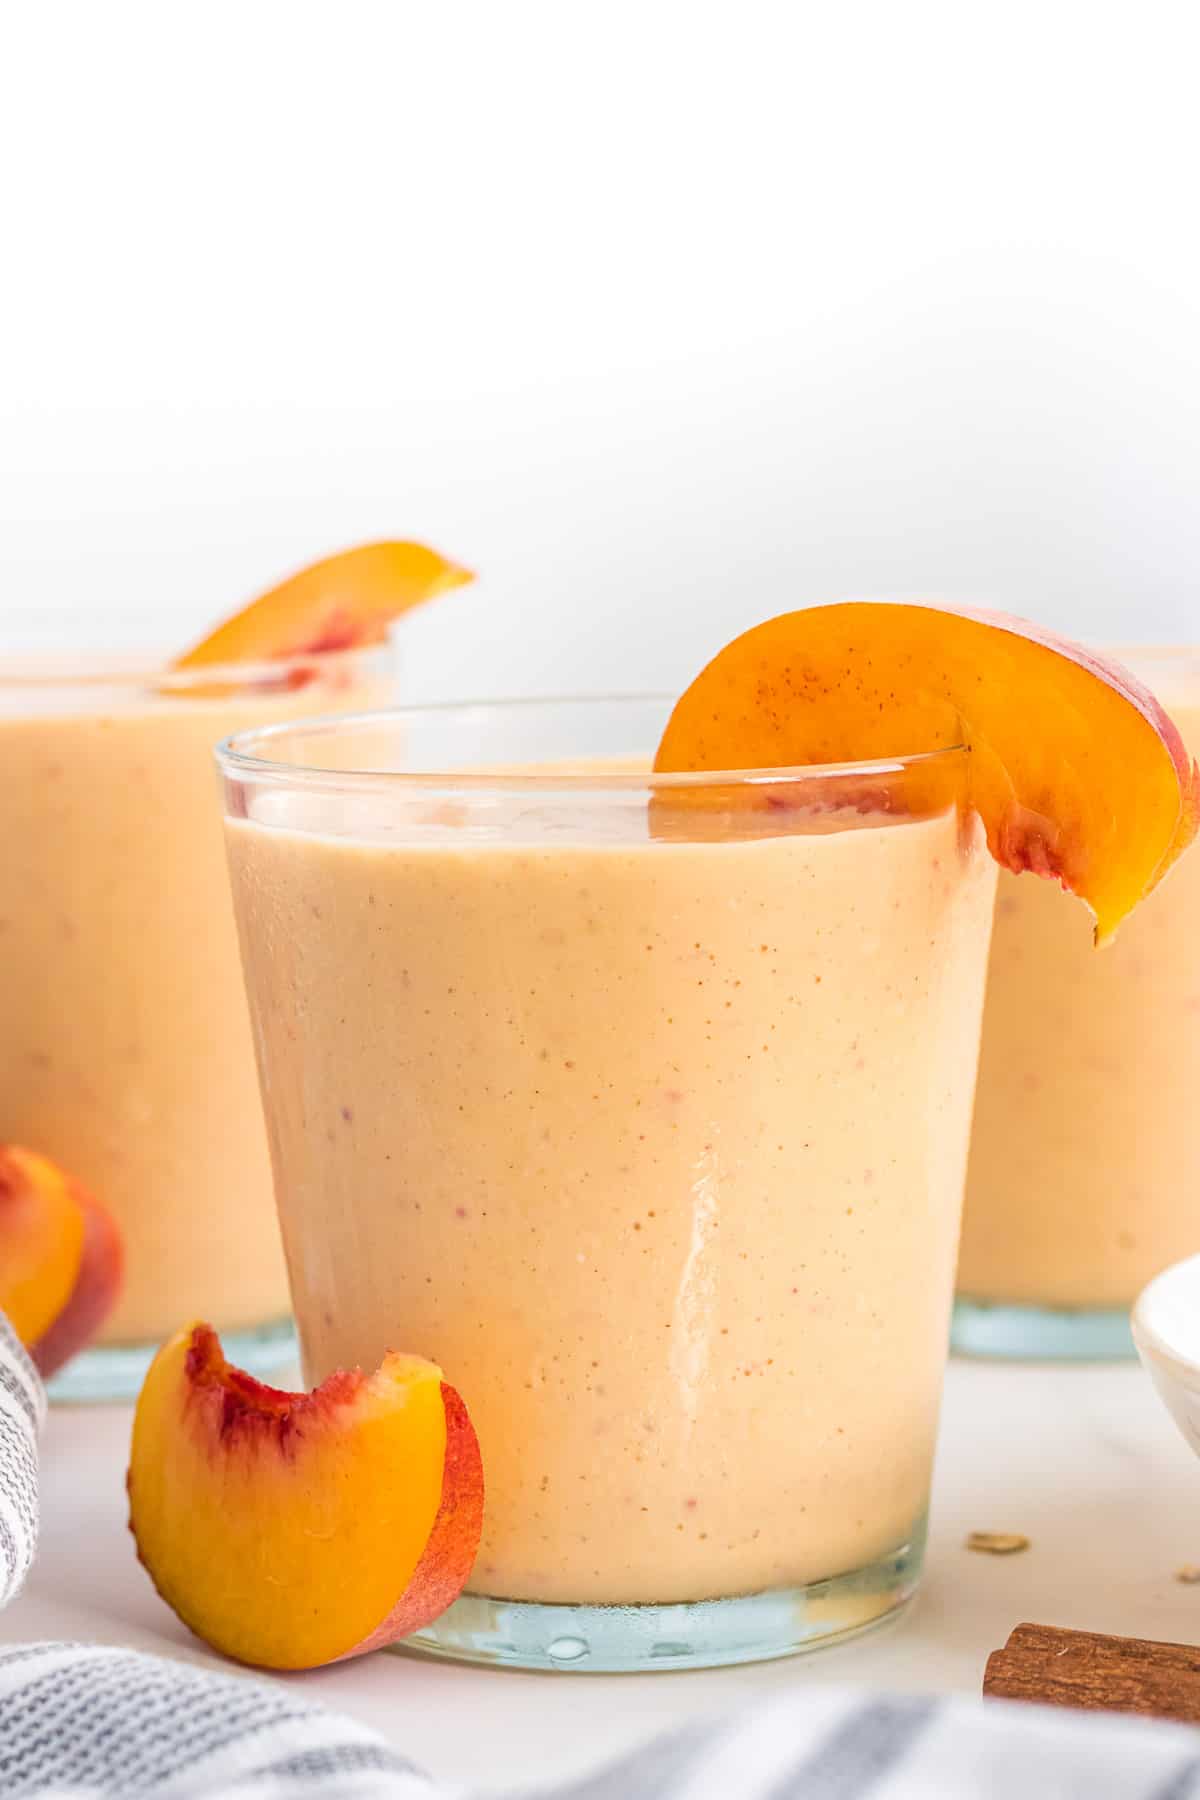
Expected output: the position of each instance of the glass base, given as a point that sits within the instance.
(116, 1371)
(698, 1634)
(1040, 1333)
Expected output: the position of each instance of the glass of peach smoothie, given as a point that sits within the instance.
(1084, 1174)
(125, 1050)
(641, 1103)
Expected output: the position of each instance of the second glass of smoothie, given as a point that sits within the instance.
(641, 1104)
(1084, 1176)
(125, 1050)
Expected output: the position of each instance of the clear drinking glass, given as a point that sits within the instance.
(1085, 1162)
(641, 1105)
(125, 1048)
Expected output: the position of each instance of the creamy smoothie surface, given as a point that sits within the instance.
(1085, 1161)
(125, 1051)
(658, 1148)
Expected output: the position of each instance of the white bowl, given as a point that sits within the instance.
(1166, 1330)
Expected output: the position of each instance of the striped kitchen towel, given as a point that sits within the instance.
(22, 1412)
(87, 1722)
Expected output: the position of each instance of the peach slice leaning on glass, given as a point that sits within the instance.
(634, 1086)
(125, 1052)
(291, 1530)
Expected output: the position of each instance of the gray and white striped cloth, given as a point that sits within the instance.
(22, 1414)
(89, 1722)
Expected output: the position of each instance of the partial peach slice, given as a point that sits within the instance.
(97, 1287)
(1075, 770)
(340, 603)
(60, 1258)
(290, 1530)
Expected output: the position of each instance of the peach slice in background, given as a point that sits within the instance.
(1075, 770)
(290, 1530)
(60, 1258)
(340, 603)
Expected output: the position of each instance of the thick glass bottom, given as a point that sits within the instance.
(1040, 1333)
(699, 1634)
(116, 1371)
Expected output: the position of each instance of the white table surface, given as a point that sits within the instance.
(1083, 1460)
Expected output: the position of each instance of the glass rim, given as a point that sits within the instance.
(87, 669)
(237, 755)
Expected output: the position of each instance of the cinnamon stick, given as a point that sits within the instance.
(1086, 1669)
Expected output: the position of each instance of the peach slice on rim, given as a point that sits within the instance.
(340, 603)
(290, 1530)
(60, 1258)
(1075, 769)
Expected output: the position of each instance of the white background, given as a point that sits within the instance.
(664, 317)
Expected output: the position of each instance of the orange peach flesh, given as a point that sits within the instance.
(339, 603)
(60, 1258)
(290, 1530)
(41, 1241)
(1075, 770)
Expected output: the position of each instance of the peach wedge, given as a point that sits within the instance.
(340, 603)
(60, 1258)
(291, 1530)
(1075, 770)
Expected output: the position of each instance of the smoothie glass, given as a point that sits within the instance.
(125, 1049)
(1085, 1162)
(641, 1104)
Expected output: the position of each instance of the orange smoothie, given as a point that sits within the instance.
(657, 1146)
(125, 1049)
(1085, 1162)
